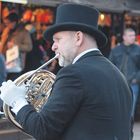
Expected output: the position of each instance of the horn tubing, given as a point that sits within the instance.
(44, 65)
(47, 63)
(46, 88)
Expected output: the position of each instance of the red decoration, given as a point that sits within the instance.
(44, 16)
(27, 16)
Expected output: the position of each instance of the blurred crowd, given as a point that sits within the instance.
(22, 49)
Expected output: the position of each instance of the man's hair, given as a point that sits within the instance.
(13, 17)
(128, 30)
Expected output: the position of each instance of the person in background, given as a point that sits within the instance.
(126, 57)
(34, 58)
(3, 75)
(40, 53)
(15, 40)
(90, 98)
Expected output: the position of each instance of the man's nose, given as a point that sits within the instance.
(54, 47)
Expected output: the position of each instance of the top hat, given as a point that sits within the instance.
(75, 17)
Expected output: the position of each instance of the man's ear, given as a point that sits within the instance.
(79, 38)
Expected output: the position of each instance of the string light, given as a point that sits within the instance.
(16, 1)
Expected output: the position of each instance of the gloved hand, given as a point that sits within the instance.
(13, 95)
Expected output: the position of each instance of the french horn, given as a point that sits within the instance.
(39, 84)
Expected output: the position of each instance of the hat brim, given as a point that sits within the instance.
(97, 34)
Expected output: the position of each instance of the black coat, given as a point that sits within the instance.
(90, 100)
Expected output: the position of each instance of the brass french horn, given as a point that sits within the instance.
(39, 83)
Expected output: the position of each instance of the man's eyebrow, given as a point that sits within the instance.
(56, 38)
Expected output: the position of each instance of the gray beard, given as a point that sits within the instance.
(63, 62)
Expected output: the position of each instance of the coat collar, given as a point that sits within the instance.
(88, 54)
(83, 53)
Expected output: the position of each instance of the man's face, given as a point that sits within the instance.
(129, 37)
(64, 45)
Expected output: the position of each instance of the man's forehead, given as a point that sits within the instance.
(61, 33)
(130, 34)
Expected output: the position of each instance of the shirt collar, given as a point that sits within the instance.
(81, 54)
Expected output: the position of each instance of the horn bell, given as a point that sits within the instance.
(39, 87)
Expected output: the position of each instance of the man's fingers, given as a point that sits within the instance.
(8, 82)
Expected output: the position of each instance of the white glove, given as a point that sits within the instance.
(13, 95)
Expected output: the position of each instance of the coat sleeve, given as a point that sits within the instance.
(111, 57)
(58, 112)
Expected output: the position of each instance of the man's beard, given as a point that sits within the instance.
(63, 62)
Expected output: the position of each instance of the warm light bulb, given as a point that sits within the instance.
(102, 16)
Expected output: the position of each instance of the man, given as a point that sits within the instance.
(90, 99)
(15, 40)
(126, 57)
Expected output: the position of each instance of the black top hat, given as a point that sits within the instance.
(75, 17)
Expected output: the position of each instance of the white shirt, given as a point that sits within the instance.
(81, 54)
